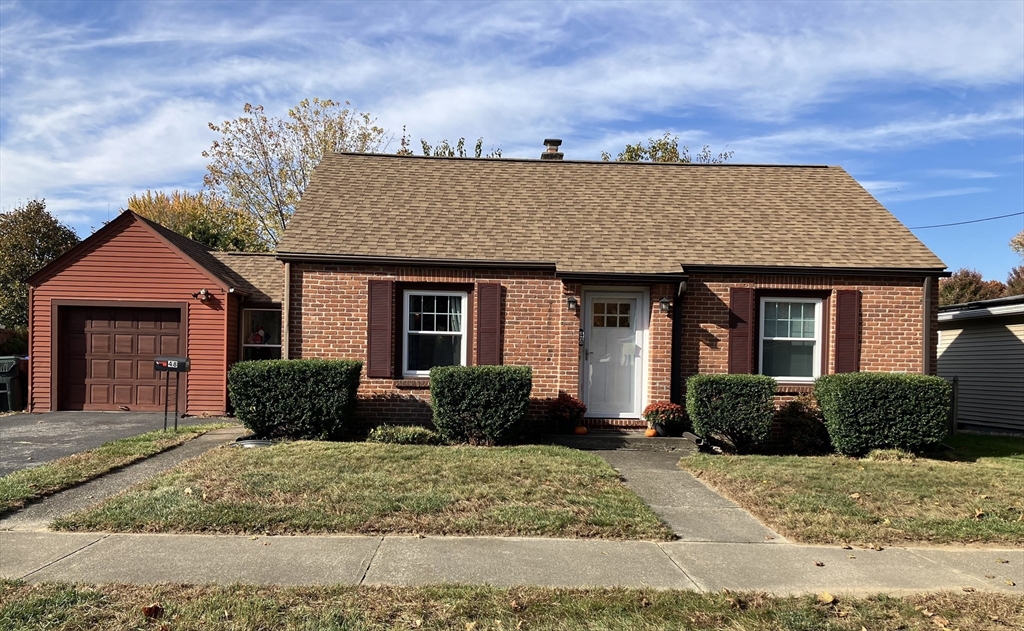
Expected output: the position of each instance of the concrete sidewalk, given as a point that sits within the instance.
(503, 561)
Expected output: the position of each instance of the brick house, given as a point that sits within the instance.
(614, 281)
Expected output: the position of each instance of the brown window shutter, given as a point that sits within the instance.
(741, 330)
(847, 330)
(380, 337)
(488, 324)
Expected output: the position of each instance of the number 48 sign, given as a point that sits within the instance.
(177, 365)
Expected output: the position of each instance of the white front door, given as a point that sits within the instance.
(612, 354)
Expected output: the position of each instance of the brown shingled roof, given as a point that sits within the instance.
(261, 275)
(598, 217)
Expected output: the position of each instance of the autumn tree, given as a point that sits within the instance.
(967, 285)
(1017, 244)
(667, 149)
(1015, 281)
(446, 150)
(30, 238)
(204, 217)
(262, 164)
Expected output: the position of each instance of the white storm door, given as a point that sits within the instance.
(612, 357)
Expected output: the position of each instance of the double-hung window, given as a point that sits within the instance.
(790, 338)
(434, 331)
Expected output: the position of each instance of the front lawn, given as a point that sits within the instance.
(972, 494)
(124, 607)
(28, 484)
(324, 487)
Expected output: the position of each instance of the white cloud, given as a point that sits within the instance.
(951, 192)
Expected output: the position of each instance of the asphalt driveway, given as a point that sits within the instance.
(29, 440)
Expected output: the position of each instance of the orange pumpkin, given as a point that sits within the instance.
(580, 430)
(651, 432)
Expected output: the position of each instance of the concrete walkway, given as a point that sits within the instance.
(503, 561)
(693, 511)
(720, 546)
(37, 515)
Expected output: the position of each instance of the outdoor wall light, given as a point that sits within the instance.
(202, 295)
(571, 303)
(666, 304)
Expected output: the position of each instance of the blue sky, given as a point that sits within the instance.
(922, 103)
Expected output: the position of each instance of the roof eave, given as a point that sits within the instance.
(402, 260)
(815, 270)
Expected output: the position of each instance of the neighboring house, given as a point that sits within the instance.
(982, 345)
(615, 281)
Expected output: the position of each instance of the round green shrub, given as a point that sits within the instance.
(865, 410)
(737, 407)
(480, 405)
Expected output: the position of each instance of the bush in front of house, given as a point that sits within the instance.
(865, 411)
(566, 413)
(309, 399)
(737, 407)
(800, 429)
(670, 416)
(403, 435)
(480, 405)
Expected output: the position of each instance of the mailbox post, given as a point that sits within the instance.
(167, 365)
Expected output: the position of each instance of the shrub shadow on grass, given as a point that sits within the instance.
(973, 447)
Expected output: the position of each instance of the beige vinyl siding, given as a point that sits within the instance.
(988, 358)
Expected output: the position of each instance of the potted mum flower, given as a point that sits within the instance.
(667, 419)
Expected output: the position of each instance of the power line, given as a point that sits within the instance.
(960, 223)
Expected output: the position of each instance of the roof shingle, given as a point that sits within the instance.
(598, 217)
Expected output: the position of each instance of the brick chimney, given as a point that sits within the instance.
(552, 152)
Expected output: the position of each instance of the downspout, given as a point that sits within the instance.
(286, 323)
(926, 358)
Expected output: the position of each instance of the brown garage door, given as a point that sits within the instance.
(106, 357)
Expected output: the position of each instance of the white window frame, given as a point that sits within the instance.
(818, 326)
(405, 327)
(245, 323)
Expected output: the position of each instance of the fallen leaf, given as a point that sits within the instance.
(188, 491)
(968, 589)
(819, 564)
(847, 547)
(851, 556)
(984, 497)
(927, 614)
(940, 621)
(153, 611)
(877, 548)
(978, 513)
(516, 606)
(993, 618)
(1010, 583)
(644, 602)
(417, 623)
(253, 538)
(990, 576)
(826, 598)
(1001, 561)
(855, 496)
(470, 626)
(886, 521)
(768, 538)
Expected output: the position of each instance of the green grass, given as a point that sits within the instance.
(28, 484)
(973, 493)
(119, 608)
(324, 487)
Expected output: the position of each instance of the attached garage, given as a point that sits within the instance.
(101, 313)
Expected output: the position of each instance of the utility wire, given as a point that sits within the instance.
(960, 223)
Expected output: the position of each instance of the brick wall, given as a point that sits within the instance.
(891, 323)
(329, 306)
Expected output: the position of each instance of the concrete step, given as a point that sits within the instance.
(622, 440)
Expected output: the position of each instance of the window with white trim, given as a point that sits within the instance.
(790, 338)
(261, 334)
(433, 331)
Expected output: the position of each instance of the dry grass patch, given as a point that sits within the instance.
(20, 487)
(183, 607)
(323, 487)
(973, 493)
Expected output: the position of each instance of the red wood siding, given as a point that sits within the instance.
(132, 266)
(233, 317)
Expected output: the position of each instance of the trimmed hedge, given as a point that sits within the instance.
(738, 407)
(481, 405)
(403, 435)
(295, 398)
(865, 411)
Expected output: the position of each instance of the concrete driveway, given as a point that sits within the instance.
(29, 440)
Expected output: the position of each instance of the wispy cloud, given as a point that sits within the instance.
(961, 174)
(951, 192)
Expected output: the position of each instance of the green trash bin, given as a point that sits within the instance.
(10, 384)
